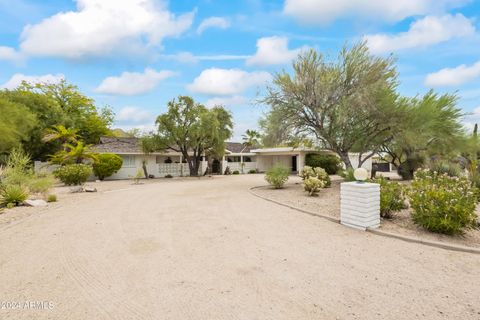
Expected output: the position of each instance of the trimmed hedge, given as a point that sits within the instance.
(106, 165)
(330, 163)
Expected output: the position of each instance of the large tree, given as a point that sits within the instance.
(194, 130)
(428, 125)
(346, 104)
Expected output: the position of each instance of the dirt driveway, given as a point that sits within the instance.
(208, 249)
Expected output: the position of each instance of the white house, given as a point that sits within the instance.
(237, 157)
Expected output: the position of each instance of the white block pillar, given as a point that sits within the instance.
(360, 205)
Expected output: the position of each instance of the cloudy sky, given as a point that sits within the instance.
(136, 55)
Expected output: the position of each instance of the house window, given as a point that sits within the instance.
(128, 161)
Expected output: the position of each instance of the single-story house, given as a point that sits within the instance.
(237, 157)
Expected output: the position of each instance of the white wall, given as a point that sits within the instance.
(354, 160)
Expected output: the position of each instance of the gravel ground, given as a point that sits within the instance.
(328, 203)
(209, 249)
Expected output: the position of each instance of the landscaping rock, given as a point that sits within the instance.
(90, 189)
(76, 189)
(35, 203)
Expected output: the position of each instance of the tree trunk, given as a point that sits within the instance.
(144, 167)
(345, 159)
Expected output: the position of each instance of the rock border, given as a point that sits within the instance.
(430, 243)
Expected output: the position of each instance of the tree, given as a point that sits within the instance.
(426, 126)
(74, 154)
(251, 138)
(60, 133)
(107, 164)
(192, 129)
(15, 126)
(346, 104)
(150, 143)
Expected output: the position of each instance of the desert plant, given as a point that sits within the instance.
(52, 198)
(236, 172)
(449, 168)
(392, 197)
(441, 203)
(106, 165)
(330, 163)
(168, 176)
(73, 174)
(348, 175)
(277, 176)
(41, 183)
(139, 175)
(313, 185)
(13, 194)
(319, 173)
(251, 171)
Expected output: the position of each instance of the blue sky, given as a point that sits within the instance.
(136, 55)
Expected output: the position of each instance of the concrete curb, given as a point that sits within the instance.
(377, 232)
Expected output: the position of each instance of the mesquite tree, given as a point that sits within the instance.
(347, 104)
(194, 130)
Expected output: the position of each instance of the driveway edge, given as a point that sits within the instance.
(430, 243)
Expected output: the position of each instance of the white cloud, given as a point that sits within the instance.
(102, 27)
(422, 33)
(132, 83)
(215, 81)
(453, 76)
(326, 11)
(227, 101)
(17, 79)
(213, 22)
(10, 54)
(134, 115)
(273, 50)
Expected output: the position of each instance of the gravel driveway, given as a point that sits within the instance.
(208, 249)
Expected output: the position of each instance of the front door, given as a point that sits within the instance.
(294, 163)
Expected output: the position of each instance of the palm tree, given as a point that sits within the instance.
(251, 138)
(76, 154)
(62, 134)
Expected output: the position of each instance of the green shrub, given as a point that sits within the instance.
(41, 183)
(236, 172)
(449, 168)
(441, 203)
(10, 205)
(407, 168)
(348, 174)
(277, 176)
(73, 174)
(319, 173)
(168, 176)
(14, 194)
(52, 198)
(330, 163)
(392, 197)
(313, 185)
(106, 165)
(139, 175)
(252, 171)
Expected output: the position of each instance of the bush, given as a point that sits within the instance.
(52, 198)
(13, 194)
(73, 174)
(441, 203)
(330, 163)
(392, 197)
(168, 176)
(41, 183)
(446, 167)
(348, 175)
(106, 165)
(319, 173)
(236, 172)
(252, 171)
(313, 185)
(277, 176)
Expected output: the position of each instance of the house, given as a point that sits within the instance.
(237, 157)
